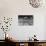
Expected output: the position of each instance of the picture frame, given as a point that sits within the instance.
(25, 19)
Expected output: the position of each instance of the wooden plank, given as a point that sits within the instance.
(25, 44)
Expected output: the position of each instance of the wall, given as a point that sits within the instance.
(13, 8)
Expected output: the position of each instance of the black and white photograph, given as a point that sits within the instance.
(25, 19)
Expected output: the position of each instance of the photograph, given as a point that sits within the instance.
(25, 19)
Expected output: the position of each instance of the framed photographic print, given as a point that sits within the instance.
(25, 19)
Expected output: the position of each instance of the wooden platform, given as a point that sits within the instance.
(8, 42)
